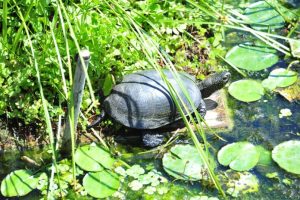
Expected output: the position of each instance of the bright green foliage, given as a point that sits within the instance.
(280, 77)
(252, 57)
(183, 162)
(18, 183)
(283, 77)
(115, 49)
(93, 158)
(295, 47)
(265, 157)
(101, 184)
(240, 183)
(262, 16)
(287, 156)
(240, 156)
(246, 90)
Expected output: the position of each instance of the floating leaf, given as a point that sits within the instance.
(265, 157)
(269, 84)
(101, 184)
(184, 162)
(93, 158)
(246, 90)
(295, 47)
(283, 77)
(240, 183)
(240, 156)
(252, 57)
(262, 16)
(287, 156)
(291, 93)
(19, 183)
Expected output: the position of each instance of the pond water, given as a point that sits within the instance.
(257, 122)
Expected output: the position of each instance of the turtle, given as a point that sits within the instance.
(143, 101)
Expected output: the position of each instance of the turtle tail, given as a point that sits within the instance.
(213, 83)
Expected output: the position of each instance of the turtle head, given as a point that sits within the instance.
(214, 83)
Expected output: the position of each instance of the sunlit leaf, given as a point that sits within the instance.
(101, 184)
(252, 57)
(262, 16)
(93, 158)
(295, 47)
(246, 90)
(18, 183)
(283, 77)
(287, 156)
(240, 156)
(184, 162)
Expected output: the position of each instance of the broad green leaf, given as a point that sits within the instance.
(269, 84)
(262, 16)
(283, 77)
(101, 184)
(183, 162)
(287, 156)
(19, 183)
(246, 90)
(108, 84)
(252, 57)
(93, 158)
(265, 157)
(240, 156)
(241, 183)
(295, 47)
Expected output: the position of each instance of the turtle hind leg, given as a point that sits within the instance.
(152, 138)
(98, 120)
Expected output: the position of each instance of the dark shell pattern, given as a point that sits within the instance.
(142, 100)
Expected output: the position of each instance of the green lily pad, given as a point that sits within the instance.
(265, 157)
(184, 162)
(252, 57)
(93, 158)
(295, 47)
(101, 184)
(287, 156)
(246, 90)
(19, 183)
(240, 156)
(240, 183)
(262, 16)
(269, 84)
(283, 77)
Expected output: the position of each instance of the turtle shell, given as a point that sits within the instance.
(142, 100)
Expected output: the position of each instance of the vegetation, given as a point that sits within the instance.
(41, 38)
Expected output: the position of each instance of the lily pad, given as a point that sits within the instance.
(283, 77)
(262, 16)
(246, 90)
(269, 84)
(184, 162)
(101, 184)
(295, 47)
(240, 156)
(241, 183)
(19, 183)
(93, 158)
(265, 157)
(252, 57)
(287, 156)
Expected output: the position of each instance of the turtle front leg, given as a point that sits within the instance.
(152, 138)
(202, 108)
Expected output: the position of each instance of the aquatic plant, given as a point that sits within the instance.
(246, 90)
